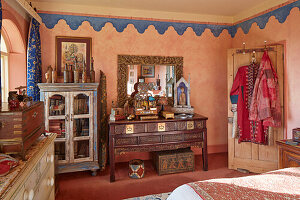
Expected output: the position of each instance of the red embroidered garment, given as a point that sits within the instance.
(265, 103)
(275, 185)
(241, 93)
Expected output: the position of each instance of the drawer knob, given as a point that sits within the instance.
(25, 196)
(50, 181)
(31, 194)
(50, 159)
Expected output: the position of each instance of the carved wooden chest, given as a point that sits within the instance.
(174, 161)
(19, 128)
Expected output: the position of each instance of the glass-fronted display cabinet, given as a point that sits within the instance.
(71, 113)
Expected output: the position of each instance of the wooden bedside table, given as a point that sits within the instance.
(289, 155)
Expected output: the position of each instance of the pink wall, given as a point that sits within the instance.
(204, 58)
(287, 33)
(16, 32)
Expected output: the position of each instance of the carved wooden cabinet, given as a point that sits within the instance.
(156, 135)
(289, 155)
(71, 113)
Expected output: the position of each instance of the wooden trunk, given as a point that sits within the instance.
(174, 161)
(245, 155)
(19, 128)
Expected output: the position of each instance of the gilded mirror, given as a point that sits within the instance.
(159, 71)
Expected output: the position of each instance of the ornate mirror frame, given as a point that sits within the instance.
(125, 60)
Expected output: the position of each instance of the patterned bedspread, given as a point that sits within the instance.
(279, 184)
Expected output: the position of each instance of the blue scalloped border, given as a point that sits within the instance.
(74, 21)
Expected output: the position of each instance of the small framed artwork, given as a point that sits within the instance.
(148, 71)
(70, 48)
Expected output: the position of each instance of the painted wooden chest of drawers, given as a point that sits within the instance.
(174, 161)
(32, 179)
(157, 135)
(20, 128)
(289, 155)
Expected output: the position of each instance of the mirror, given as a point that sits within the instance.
(157, 70)
(155, 75)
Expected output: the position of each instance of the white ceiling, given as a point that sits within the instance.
(211, 7)
(224, 8)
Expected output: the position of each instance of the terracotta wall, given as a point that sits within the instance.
(204, 58)
(16, 32)
(288, 34)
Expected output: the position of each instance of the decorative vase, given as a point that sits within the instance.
(54, 75)
(71, 74)
(92, 72)
(49, 76)
(84, 75)
(66, 74)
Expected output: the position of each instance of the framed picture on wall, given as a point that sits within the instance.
(148, 71)
(70, 48)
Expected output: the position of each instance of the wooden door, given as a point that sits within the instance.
(246, 155)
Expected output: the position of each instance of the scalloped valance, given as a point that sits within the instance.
(74, 21)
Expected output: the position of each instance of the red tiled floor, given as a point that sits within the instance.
(81, 185)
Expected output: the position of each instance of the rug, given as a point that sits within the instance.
(162, 196)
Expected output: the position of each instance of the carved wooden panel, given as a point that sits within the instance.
(139, 128)
(119, 129)
(170, 126)
(199, 124)
(173, 138)
(193, 136)
(150, 139)
(152, 127)
(181, 126)
(126, 141)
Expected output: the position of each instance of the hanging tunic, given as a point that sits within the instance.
(241, 93)
(265, 103)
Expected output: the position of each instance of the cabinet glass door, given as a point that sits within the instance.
(81, 126)
(57, 119)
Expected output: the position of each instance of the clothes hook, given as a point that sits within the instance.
(244, 48)
(265, 45)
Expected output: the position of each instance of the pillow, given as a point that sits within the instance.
(7, 163)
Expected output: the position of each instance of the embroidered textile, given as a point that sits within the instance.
(265, 103)
(241, 93)
(280, 184)
(235, 131)
(34, 63)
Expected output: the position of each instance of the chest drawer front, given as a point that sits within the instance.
(139, 128)
(33, 119)
(126, 141)
(200, 124)
(45, 185)
(150, 139)
(181, 126)
(193, 136)
(170, 126)
(120, 129)
(290, 159)
(152, 127)
(173, 138)
(10, 126)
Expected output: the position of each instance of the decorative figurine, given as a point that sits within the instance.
(126, 108)
(84, 74)
(76, 72)
(182, 92)
(66, 74)
(92, 72)
(49, 74)
(54, 75)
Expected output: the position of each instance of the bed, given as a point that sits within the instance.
(279, 184)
